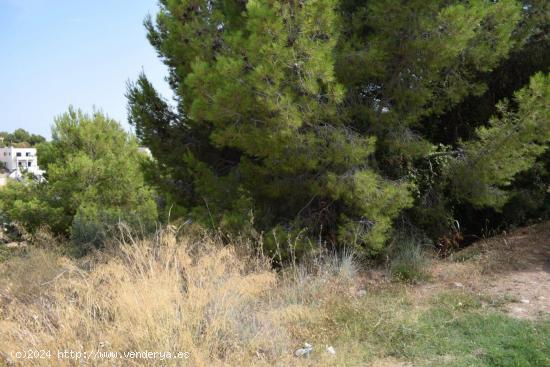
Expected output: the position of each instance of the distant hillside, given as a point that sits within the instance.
(20, 138)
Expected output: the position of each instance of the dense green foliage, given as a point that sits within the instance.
(93, 180)
(335, 116)
(510, 143)
(20, 137)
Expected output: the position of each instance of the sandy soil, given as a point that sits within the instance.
(513, 268)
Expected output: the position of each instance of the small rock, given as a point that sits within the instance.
(518, 309)
(305, 351)
(15, 244)
(331, 350)
(6, 359)
(361, 293)
(526, 301)
(458, 285)
(542, 298)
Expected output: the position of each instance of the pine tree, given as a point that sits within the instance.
(405, 61)
(510, 144)
(256, 131)
(94, 180)
(330, 115)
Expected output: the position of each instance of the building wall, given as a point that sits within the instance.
(19, 158)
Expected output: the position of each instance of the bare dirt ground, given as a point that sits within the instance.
(512, 268)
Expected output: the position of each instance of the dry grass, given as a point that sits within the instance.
(171, 293)
(226, 306)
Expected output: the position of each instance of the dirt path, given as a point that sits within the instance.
(522, 271)
(513, 268)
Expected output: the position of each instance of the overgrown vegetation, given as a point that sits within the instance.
(325, 119)
(305, 140)
(93, 180)
(183, 290)
(165, 293)
(332, 117)
(410, 260)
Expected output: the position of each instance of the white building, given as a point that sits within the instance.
(19, 160)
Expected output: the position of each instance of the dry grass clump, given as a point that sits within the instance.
(166, 294)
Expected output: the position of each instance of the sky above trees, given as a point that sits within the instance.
(61, 52)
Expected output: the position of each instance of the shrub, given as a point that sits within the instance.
(409, 257)
(159, 295)
(94, 180)
(169, 292)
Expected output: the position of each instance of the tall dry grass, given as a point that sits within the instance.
(169, 293)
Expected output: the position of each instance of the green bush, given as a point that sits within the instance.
(94, 180)
(410, 257)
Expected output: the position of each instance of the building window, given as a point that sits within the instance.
(29, 164)
(19, 154)
(28, 154)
